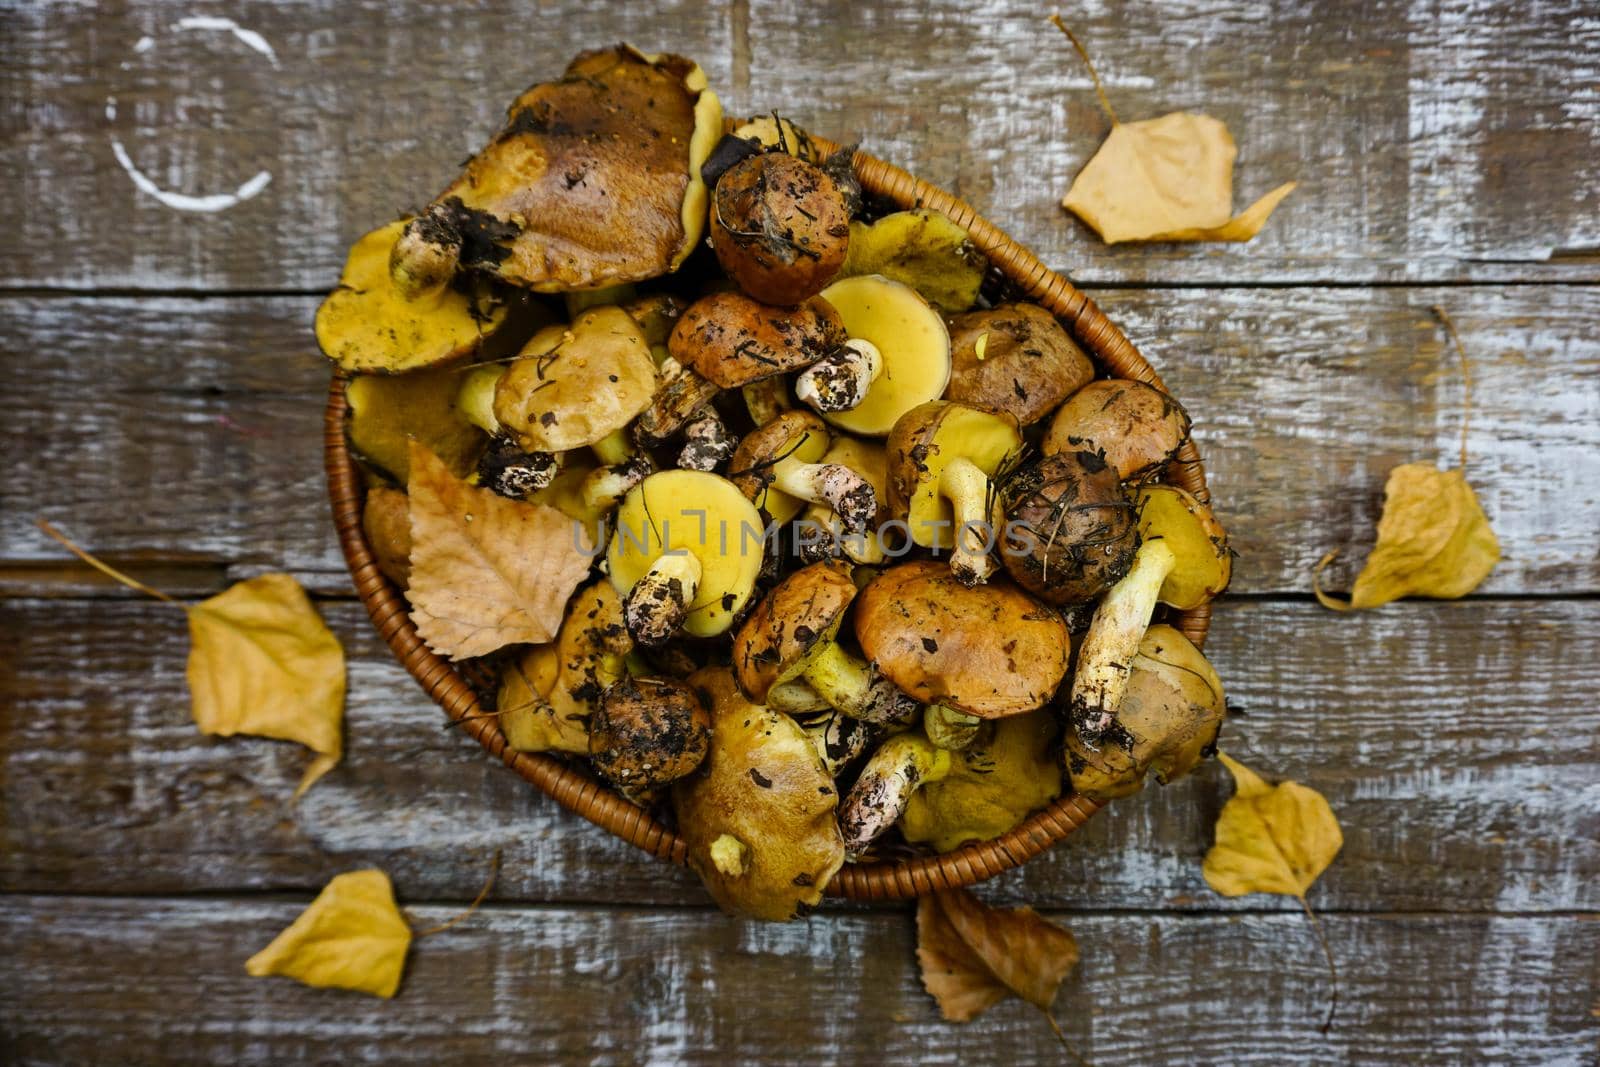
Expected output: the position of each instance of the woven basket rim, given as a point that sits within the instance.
(579, 792)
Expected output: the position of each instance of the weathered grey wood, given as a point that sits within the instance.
(186, 432)
(140, 981)
(1440, 140)
(1459, 745)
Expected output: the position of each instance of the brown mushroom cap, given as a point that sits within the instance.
(780, 227)
(573, 385)
(923, 442)
(1204, 562)
(648, 732)
(732, 340)
(368, 324)
(1070, 530)
(990, 650)
(795, 435)
(802, 612)
(1137, 426)
(386, 520)
(1169, 719)
(762, 803)
(594, 180)
(591, 648)
(1015, 358)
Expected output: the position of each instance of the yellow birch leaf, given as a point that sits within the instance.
(1166, 179)
(351, 937)
(262, 662)
(1433, 540)
(1270, 839)
(486, 571)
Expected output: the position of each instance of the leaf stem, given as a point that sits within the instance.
(1061, 1037)
(1466, 378)
(1333, 970)
(1083, 53)
(494, 872)
(104, 568)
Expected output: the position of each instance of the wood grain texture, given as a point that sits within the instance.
(1446, 139)
(1454, 741)
(519, 985)
(196, 449)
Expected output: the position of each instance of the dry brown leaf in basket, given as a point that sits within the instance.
(486, 571)
(1163, 179)
(1433, 537)
(972, 956)
(261, 662)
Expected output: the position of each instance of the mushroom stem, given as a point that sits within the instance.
(766, 399)
(864, 546)
(707, 444)
(856, 688)
(839, 739)
(512, 472)
(427, 253)
(1106, 658)
(846, 492)
(950, 729)
(966, 487)
(879, 797)
(613, 448)
(475, 396)
(603, 487)
(681, 394)
(795, 697)
(658, 603)
(840, 380)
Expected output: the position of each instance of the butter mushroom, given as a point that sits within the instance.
(941, 455)
(989, 651)
(864, 546)
(370, 323)
(646, 733)
(1137, 426)
(1009, 771)
(793, 634)
(840, 738)
(593, 182)
(1183, 561)
(913, 347)
(592, 649)
(389, 411)
(774, 466)
(1015, 358)
(685, 555)
(1170, 715)
(523, 709)
(948, 728)
(758, 817)
(924, 249)
(386, 522)
(1070, 529)
(900, 766)
(779, 226)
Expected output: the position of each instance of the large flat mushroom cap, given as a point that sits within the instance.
(909, 335)
(802, 611)
(988, 650)
(764, 785)
(573, 385)
(367, 325)
(595, 179)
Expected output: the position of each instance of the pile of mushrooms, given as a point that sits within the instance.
(850, 492)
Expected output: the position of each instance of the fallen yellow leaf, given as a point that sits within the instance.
(486, 571)
(1163, 179)
(1270, 839)
(262, 662)
(351, 937)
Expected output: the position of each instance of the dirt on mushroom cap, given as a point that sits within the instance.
(1026, 365)
(731, 340)
(801, 611)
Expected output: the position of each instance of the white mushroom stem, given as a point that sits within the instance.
(766, 399)
(603, 487)
(849, 494)
(856, 687)
(1106, 658)
(899, 768)
(828, 531)
(707, 444)
(839, 739)
(950, 729)
(730, 855)
(426, 255)
(966, 487)
(656, 606)
(840, 380)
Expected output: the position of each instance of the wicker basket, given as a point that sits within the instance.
(574, 788)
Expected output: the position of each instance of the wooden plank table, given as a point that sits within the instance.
(162, 402)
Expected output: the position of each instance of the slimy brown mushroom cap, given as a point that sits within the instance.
(1137, 426)
(648, 732)
(1015, 358)
(732, 340)
(779, 226)
(1070, 529)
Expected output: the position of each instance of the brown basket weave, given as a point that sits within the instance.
(575, 789)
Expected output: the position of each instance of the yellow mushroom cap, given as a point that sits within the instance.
(705, 516)
(764, 787)
(573, 385)
(796, 437)
(366, 324)
(1204, 562)
(1008, 773)
(909, 335)
(923, 442)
